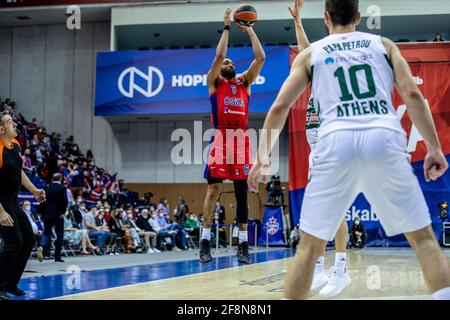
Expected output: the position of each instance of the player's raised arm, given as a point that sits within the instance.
(276, 118)
(302, 39)
(435, 163)
(255, 68)
(221, 51)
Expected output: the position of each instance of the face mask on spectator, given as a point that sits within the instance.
(161, 214)
(153, 215)
(83, 207)
(357, 222)
(107, 210)
(28, 208)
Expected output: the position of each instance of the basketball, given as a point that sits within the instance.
(245, 15)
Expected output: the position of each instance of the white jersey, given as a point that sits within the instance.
(352, 82)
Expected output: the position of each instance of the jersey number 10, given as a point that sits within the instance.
(352, 71)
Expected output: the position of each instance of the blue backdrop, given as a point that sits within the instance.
(435, 192)
(174, 81)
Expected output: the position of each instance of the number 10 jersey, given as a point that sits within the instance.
(353, 82)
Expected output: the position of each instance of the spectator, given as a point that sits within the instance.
(147, 231)
(163, 205)
(219, 212)
(162, 233)
(27, 164)
(77, 182)
(53, 215)
(76, 236)
(36, 226)
(181, 232)
(133, 229)
(79, 210)
(90, 157)
(358, 236)
(94, 232)
(181, 212)
(193, 225)
(116, 224)
(295, 236)
(438, 38)
(102, 225)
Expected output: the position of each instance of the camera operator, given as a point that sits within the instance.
(358, 236)
(275, 195)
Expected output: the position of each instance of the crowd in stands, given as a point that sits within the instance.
(102, 217)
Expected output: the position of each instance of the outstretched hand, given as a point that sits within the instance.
(295, 13)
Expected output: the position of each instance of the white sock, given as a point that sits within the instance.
(319, 264)
(243, 236)
(443, 294)
(340, 262)
(206, 234)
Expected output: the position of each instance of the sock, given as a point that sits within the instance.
(340, 262)
(206, 234)
(443, 294)
(243, 236)
(319, 264)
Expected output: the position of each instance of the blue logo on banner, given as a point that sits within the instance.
(128, 86)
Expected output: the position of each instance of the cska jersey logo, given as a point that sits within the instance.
(233, 89)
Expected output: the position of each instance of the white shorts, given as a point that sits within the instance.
(372, 161)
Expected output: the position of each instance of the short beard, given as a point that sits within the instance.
(228, 74)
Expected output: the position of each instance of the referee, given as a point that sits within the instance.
(15, 228)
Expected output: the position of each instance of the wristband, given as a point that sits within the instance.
(227, 27)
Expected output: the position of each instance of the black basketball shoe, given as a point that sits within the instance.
(205, 251)
(242, 253)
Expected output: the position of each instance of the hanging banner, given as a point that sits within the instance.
(175, 81)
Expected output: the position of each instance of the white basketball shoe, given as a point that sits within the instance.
(319, 280)
(338, 281)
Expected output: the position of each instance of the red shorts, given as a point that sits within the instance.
(230, 155)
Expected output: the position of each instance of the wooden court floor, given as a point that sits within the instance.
(376, 274)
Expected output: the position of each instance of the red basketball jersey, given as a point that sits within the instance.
(230, 104)
(230, 156)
